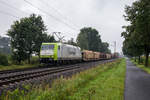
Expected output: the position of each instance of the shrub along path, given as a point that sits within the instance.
(137, 85)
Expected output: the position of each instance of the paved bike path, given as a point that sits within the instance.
(137, 83)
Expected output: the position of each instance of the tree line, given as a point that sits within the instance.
(137, 33)
(90, 39)
(27, 34)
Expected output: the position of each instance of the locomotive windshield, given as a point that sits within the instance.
(47, 47)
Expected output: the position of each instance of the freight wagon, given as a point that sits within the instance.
(87, 55)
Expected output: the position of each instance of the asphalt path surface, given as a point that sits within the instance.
(137, 83)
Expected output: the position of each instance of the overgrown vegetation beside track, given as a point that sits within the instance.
(105, 82)
(11, 67)
(3, 60)
(8, 64)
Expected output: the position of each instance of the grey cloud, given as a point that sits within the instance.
(104, 15)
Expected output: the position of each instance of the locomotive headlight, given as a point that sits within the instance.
(50, 53)
(46, 52)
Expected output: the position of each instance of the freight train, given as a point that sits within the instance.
(60, 53)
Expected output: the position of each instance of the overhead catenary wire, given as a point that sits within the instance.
(8, 14)
(12, 15)
(10, 6)
(50, 15)
(59, 12)
(46, 13)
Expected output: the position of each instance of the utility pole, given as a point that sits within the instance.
(114, 46)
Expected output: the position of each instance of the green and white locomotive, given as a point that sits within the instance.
(59, 53)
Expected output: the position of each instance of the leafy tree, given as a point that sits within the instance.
(143, 25)
(105, 47)
(132, 46)
(48, 38)
(3, 59)
(139, 37)
(27, 34)
(89, 39)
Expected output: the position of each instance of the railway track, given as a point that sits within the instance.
(24, 69)
(15, 79)
(29, 69)
(4, 80)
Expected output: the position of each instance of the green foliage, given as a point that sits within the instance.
(137, 34)
(89, 39)
(27, 36)
(105, 47)
(141, 65)
(100, 83)
(35, 60)
(3, 60)
(48, 38)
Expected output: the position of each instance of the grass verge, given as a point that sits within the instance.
(105, 82)
(147, 69)
(11, 67)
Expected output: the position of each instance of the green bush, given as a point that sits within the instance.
(34, 60)
(3, 60)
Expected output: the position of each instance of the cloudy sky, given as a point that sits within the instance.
(69, 16)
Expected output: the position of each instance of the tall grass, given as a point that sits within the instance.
(105, 82)
(142, 66)
(3, 60)
(11, 65)
(142, 60)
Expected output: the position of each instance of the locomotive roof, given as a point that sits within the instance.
(44, 43)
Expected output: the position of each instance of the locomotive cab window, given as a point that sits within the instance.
(47, 47)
